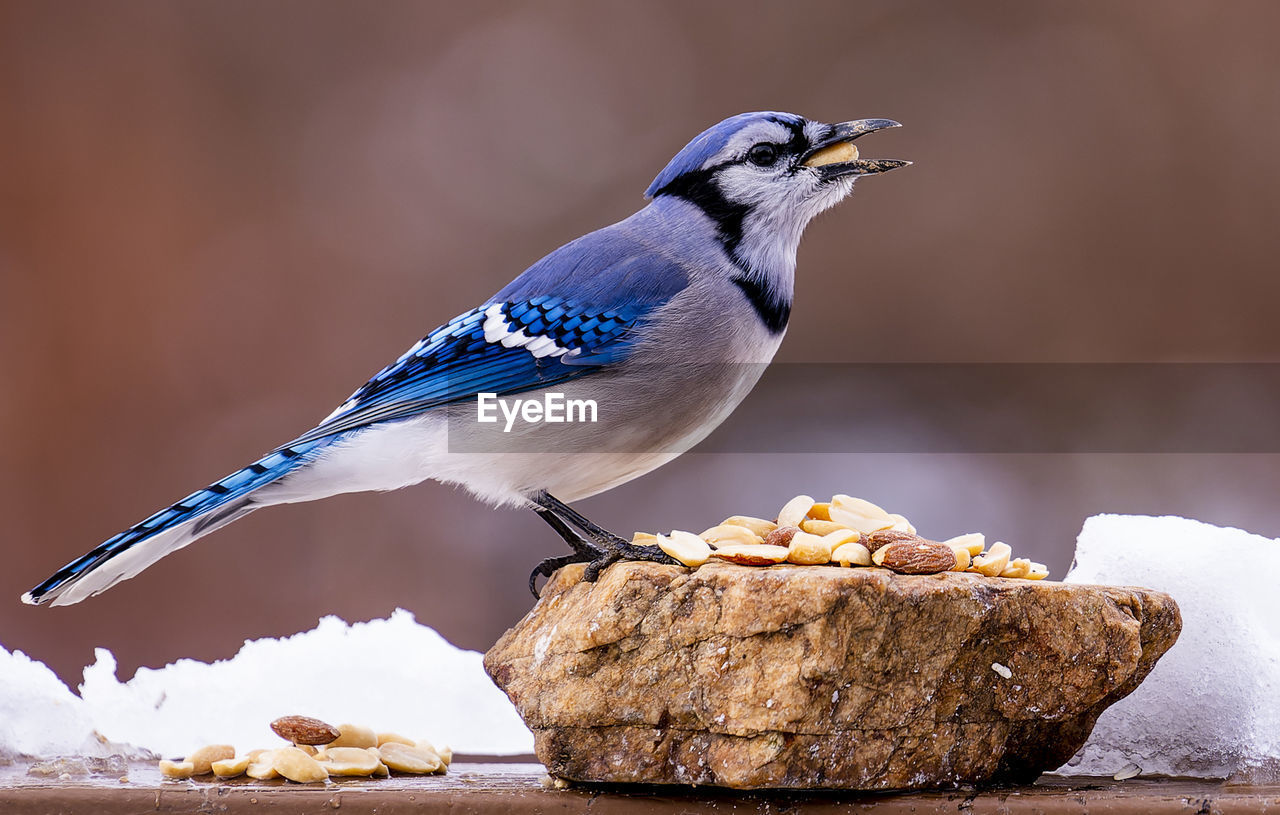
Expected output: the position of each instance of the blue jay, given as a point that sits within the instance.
(666, 318)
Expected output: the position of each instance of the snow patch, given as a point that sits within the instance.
(1211, 706)
(391, 674)
(38, 714)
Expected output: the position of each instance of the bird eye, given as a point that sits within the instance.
(763, 154)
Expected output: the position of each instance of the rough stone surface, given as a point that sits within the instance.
(821, 677)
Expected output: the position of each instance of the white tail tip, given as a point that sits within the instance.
(28, 599)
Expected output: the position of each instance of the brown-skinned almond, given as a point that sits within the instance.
(781, 536)
(883, 537)
(304, 730)
(917, 557)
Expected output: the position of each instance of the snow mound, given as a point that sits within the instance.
(38, 715)
(1211, 707)
(391, 675)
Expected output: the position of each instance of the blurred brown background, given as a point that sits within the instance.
(218, 218)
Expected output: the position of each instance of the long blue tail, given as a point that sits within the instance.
(170, 529)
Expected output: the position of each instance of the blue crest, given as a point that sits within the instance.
(711, 141)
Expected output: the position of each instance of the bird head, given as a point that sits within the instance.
(761, 177)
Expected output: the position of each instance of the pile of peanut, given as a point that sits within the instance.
(318, 751)
(845, 530)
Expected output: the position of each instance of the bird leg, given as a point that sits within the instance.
(595, 546)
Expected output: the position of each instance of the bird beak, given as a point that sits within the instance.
(835, 156)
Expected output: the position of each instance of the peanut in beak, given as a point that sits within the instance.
(836, 153)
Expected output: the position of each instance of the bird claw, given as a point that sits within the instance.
(550, 566)
(605, 554)
(593, 545)
(624, 551)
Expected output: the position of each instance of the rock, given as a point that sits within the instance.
(821, 677)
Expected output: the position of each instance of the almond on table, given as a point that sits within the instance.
(304, 730)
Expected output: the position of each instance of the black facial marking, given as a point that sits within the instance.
(700, 189)
(773, 310)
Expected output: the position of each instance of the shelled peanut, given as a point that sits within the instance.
(317, 752)
(847, 531)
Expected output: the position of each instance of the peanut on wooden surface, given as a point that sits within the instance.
(347, 750)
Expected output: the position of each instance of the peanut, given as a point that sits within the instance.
(231, 767)
(685, 547)
(992, 563)
(808, 550)
(644, 539)
(384, 738)
(1126, 772)
(820, 511)
(974, 542)
(901, 524)
(838, 152)
(963, 559)
(757, 525)
(842, 536)
(858, 506)
(1018, 567)
(851, 554)
(202, 759)
(822, 527)
(352, 735)
(854, 520)
(296, 765)
(351, 761)
(176, 769)
(439, 752)
(262, 766)
(751, 554)
(795, 510)
(405, 759)
(1038, 571)
(729, 533)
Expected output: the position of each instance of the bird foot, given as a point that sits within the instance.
(596, 547)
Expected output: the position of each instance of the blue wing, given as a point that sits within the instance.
(573, 313)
